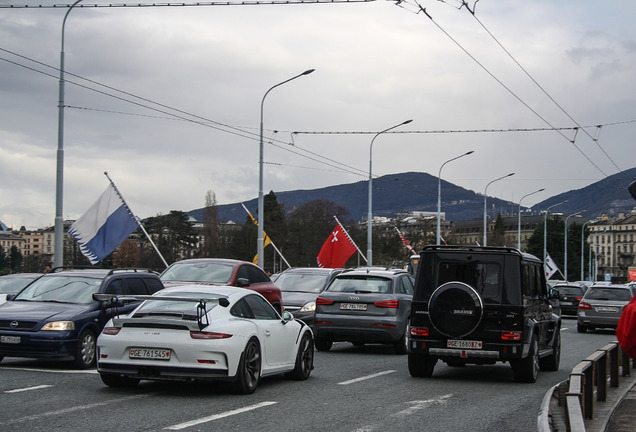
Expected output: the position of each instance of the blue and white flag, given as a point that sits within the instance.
(104, 226)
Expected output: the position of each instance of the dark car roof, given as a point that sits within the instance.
(373, 271)
(309, 270)
(217, 260)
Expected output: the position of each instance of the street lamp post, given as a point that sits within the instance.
(519, 220)
(260, 246)
(485, 242)
(370, 211)
(565, 244)
(583, 250)
(439, 194)
(545, 230)
(58, 230)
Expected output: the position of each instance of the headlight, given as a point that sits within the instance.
(308, 307)
(59, 326)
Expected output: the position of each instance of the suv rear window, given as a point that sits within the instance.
(363, 284)
(608, 294)
(484, 277)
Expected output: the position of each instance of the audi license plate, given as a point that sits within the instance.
(150, 353)
(353, 306)
(10, 339)
(463, 344)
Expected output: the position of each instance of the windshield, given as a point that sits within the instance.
(13, 284)
(62, 289)
(171, 307)
(199, 272)
(608, 294)
(302, 282)
(361, 284)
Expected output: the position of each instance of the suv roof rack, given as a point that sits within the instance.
(73, 267)
(473, 248)
(130, 269)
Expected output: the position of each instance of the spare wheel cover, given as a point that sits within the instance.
(455, 309)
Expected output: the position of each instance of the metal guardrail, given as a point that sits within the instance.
(567, 405)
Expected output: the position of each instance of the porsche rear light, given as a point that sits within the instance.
(419, 331)
(585, 306)
(387, 303)
(208, 335)
(206, 361)
(324, 301)
(111, 330)
(510, 335)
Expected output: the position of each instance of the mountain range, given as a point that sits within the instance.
(417, 191)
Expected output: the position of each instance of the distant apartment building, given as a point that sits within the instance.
(471, 232)
(613, 241)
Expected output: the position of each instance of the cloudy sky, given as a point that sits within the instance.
(167, 99)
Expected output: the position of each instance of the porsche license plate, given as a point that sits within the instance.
(463, 344)
(149, 353)
(353, 306)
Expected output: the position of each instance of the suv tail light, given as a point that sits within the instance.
(419, 331)
(387, 303)
(585, 306)
(323, 301)
(578, 298)
(510, 335)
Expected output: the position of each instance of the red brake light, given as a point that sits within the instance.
(111, 330)
(208, 335)
(585, 306)
(323, 301)
(578, 298)
(387, 303)
(419, 331)
(511, 335)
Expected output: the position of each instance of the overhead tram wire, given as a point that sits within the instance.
(178, 4)
(294, 149)
(423, 10)
(595, 140)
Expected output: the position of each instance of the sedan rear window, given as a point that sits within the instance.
(361, 285)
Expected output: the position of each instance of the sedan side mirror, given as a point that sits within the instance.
(242, 282)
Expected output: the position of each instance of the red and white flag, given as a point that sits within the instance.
(406, 243)
(337, 249)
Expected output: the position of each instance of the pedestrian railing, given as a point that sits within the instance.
(567, 405)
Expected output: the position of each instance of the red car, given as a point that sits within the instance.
(221, 271)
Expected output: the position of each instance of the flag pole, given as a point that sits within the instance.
(135, 217)
(270, 239)
(350, 239)
(406, 243)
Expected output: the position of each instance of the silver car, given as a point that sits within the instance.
(602, 305)
(365, 305)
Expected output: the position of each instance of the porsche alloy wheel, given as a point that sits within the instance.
(249, 370)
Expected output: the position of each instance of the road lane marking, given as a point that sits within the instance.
(70, 410)
(355, 380)
(28, 388)
(418, 405)
(219, 416)
(90, 371)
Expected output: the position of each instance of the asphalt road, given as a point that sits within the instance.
(351, 389)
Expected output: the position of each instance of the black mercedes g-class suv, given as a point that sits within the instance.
(481, 305)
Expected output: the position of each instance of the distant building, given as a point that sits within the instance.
(613, 242)
(471, 232)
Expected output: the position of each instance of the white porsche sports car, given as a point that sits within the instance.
(194, 332)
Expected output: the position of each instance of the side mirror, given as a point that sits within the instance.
(287, 316)
(11, 296)
(242, 282)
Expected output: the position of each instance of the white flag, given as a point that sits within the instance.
(104, 226)
(550, 267)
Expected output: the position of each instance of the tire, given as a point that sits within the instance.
(249, 369)
(580, 328)
(323, 344)
(527, 369)
(85, 351)
(551, 362)
(304, 359)
(118, 381)
(421, 365)
(402, 346)
(455, 309)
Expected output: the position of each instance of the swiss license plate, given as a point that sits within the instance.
(150, 353)
(464, 344)
(353, 306)
(10, 339)
(606, 309)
